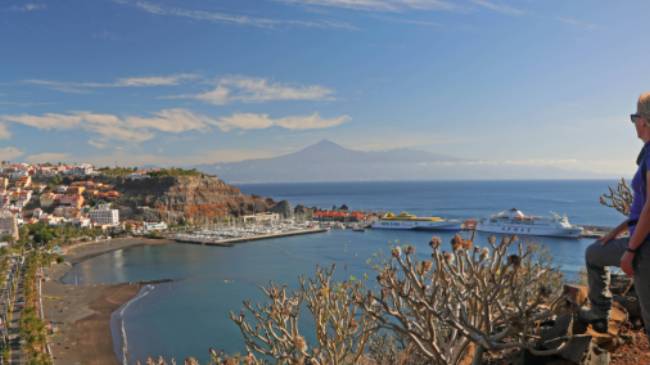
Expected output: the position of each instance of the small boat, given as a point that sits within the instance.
(358, 228)
(514, 221)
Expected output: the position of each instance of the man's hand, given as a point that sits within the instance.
(608, 237)
(626, 263)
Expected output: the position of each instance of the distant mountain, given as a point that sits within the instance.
(327, 161)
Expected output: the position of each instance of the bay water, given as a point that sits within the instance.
(187, 316)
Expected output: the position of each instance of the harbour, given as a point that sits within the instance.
(216, 238)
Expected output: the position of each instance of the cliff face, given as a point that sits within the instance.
(194, 199)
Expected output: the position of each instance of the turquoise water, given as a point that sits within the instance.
(189, 315)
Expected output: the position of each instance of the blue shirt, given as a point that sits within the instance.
(639, 187)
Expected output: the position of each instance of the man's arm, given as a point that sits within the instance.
(614, 232)
(640, 233)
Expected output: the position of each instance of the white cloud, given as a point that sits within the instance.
(499, 7)
(45, 121)
(380, 5)
(142, 81)
(47, 157)
(4, 132)
(9, 153)
(313, 121)
(250, 90)
(245, 121)
(110, 127)
(169, 80)
(172, 121)
(113, 127)
(29, 7)
(227, 18)
(262, 121)
(99, 144)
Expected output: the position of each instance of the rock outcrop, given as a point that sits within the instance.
(191, 199)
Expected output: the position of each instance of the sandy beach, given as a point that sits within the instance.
(81, 314)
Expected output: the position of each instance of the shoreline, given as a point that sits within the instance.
(81, 314)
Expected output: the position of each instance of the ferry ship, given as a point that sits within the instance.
(409, 221)
(516, 222)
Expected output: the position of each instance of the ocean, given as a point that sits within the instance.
(189, 315)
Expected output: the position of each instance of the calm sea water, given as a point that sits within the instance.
(189, 315)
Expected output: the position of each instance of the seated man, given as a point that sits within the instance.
(631, 254)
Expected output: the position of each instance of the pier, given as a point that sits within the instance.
(228, 242)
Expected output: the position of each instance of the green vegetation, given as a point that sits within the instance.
(175, 172)
(32, 328)
(4, 266)
(54, 181)
(117, 171)
(42, 234)
(172, 171)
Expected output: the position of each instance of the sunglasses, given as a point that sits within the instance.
(635, 117)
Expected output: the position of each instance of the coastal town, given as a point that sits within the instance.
(36, 194)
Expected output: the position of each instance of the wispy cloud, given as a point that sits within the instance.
(110, 127)
(171, 121)
(47, 157)
(141, 81)
(255, 90)
(23, 104)
(499, 7)
(234, 19)
(262, 121)
(10, 153)
(380, 5)
(98, 144)
(401, 20)
(4, 132)
(113, 127)
(576, 22)
(29, 7)
(126, 158)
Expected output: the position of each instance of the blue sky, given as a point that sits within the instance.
(548, 83)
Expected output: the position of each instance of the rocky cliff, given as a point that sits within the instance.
(192, 199)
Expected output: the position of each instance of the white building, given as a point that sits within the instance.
(104, 216)
(83, 169)
(8, 224)
(154, 226)
(262, 218)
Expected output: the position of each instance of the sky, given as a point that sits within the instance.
(171, 82)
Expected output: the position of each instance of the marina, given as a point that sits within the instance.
(230, 236)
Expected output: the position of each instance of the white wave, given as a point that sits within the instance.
(125, 344)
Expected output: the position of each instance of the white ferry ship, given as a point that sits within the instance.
(516, 222)
(409, 221)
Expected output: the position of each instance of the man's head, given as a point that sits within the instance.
(643, 105)
(641, 118)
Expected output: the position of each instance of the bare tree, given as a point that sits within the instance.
(619, 198)
(341, 327)
(461, 303)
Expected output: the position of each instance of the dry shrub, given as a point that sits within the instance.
(485, 299)
(619, 198)
(341, 327)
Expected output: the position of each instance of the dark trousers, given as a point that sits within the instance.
(598, 259)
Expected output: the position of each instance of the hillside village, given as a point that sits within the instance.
(71, 195)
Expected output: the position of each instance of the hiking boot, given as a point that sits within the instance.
(598, 319)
